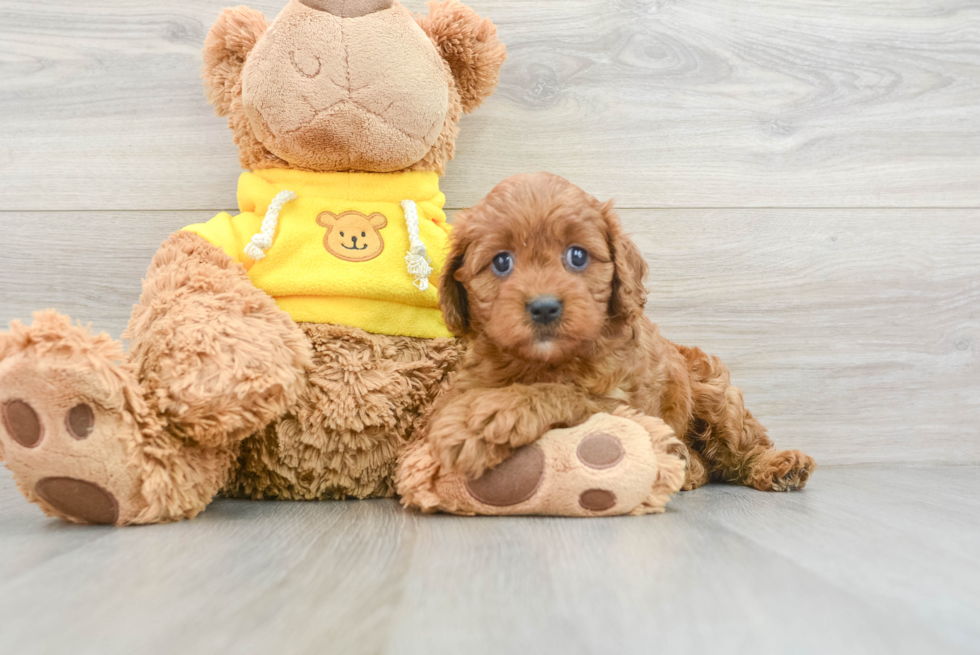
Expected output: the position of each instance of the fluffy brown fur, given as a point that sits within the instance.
(217, 357)
(520, 378)
(469, 44)
(365, 396)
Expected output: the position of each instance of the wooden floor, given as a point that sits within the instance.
(803, 177)
(865, 560)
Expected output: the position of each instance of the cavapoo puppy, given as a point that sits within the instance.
(548, 292)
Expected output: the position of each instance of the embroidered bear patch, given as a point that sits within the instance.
(352, 236)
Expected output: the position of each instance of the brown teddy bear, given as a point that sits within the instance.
(289, 351)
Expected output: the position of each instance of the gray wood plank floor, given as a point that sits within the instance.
(864, 560)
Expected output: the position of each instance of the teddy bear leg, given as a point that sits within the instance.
(70, 429)
(80, 438)
(366, 398)
(94, 436)
(620, 463)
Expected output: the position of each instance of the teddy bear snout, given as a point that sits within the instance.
(348, 8)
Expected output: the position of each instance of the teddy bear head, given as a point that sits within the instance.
(349, 85)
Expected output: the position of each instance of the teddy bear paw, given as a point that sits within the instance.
(606, 466)
(63, 435)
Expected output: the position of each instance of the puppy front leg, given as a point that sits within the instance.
(479, 428)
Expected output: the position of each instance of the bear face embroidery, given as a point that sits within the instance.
(352, 236)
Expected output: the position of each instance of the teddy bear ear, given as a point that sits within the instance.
(469, 44)
(325, 219)
(227, 45)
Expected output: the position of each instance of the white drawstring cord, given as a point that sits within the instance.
(262, 240)
(417, 259)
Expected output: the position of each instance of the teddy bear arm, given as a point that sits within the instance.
(215, 354)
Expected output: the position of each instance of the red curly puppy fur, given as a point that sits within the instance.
(548, 291)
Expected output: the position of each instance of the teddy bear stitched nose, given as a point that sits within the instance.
(348, 8)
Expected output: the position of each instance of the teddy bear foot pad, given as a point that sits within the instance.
(63, 435)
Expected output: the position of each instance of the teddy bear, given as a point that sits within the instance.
(291, 350)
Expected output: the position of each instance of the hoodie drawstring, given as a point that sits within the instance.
(262, 240)
(417, 259)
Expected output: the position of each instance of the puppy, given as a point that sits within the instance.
(548, 292)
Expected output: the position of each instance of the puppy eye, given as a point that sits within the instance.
(503, 263)
(341, 234)
(576, 258)
(363, 234)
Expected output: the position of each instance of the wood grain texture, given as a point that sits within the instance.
(862, 561)
(88, 265)
(855, 334)
(688, 103)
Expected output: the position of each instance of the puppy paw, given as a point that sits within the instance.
(64, 431)
(607, 466)
(782, 470)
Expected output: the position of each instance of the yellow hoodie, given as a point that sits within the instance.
(342, 248)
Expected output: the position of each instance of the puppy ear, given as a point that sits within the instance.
(469, 44)
(227, 45)
(452, 294)
(629, 295)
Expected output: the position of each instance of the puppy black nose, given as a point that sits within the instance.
(545, 309)
(354, 239)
